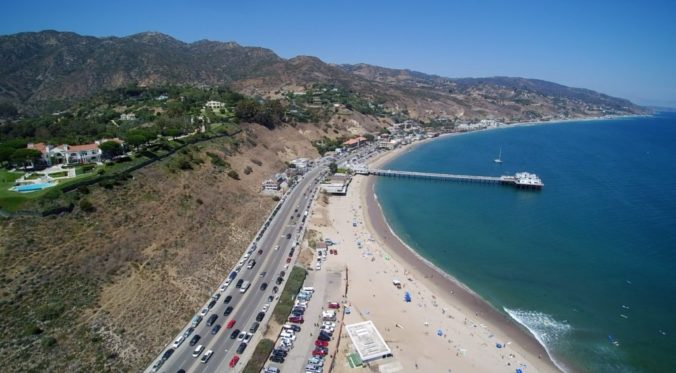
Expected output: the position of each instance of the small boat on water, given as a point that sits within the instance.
(499, 158)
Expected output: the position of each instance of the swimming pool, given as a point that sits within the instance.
(32, 187)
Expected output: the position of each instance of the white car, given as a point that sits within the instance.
(198, 351)
(241, 262)
(329, 324)
(178, 341)
(241, 336)
(318, 266)
(247, 338)
(207, 356)
(276, 247)
(266, 307)
(204, 311)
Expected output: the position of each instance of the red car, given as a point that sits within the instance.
(296, 319)
(319, 343)
(230, 324)
(318, 353)
(234, 361)
(334, 305)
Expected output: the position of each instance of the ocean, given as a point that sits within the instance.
(587, 264)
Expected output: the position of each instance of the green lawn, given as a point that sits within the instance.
(12, 201)
(293, 285)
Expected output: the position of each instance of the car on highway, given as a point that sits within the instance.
(275, 289)
(279, 280)
(230, 324)
(271, 298)
(204, 311)
(288, 236)
(264, 286)
(212, 319)
(233, 361)
(276, 247)
(241, 347)
(260, 316)
(263, 274)
(282, 273)
(178, 341)
(266, 307)
(227, 311)
(227, 299)
(247, 337)
(260, 252)
(239, 283)
(254, 327)
(215, 329)
(195, 339)
(198, 350)
(288, 260)
(206, 356)
(251, 264)
(211, 304)
(241, 336)
(320, 343)
(216, 296)
(234, 334)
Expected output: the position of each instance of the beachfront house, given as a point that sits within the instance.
(336, 184)
(270, 185)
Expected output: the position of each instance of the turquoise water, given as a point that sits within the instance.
(32, 187)
(588, 264)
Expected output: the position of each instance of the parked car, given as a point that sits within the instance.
(296, 319)
(288, 236)
(204, 311)
(334, 305)
(233, 361)
(271, 298)
(227, 311)
(279, 280)
(260, 316)
(178, 341)
(216, 296)
(275, 289)
(188, 331)
(195, 339)
(288, 260)
(277, 359)
(320, 343)
(318, 353)
(241, 347)
(323, 338)
(282, 273)
(247, 337)
(211, 304)
(241, 336)
(254, 327)
(227, 299)
(215, 329)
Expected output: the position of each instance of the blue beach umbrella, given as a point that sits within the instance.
(407, 297)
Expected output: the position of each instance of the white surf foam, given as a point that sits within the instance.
(543, 327)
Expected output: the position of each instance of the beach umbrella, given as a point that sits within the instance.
(407, 297)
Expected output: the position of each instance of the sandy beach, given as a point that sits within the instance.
(445, 327)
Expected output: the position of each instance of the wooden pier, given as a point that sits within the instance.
(520, 180)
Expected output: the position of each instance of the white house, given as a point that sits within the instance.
(301, 164)
(130, 116)
(214, 105)
(68, 154)
(270, 185)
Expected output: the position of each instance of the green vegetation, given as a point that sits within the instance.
(333, 167)
(328, 145)
(260, 356)
(293, 285)
(233, 174)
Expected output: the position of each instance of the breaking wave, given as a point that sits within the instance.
(543, 327)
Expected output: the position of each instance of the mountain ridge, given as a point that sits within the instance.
(41, 71)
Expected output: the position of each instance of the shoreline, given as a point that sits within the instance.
(438, 280)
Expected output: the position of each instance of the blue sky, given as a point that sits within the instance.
(623, 48)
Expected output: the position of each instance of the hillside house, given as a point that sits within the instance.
(214, 105)
(68, 154)
(129, 116)
(354, 143)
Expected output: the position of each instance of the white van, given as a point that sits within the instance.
(178, 341)
(309, 289)
(198, 351)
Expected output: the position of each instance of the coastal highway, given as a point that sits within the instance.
(246, 306)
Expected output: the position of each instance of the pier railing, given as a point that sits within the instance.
(509, 180)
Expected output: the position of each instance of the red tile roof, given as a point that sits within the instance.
(79, 148)
(39, 146)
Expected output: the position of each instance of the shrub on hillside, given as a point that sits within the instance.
(248, 170)
(87, 206)
(233, 174)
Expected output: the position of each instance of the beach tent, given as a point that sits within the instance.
(440, 332)
(407, 297)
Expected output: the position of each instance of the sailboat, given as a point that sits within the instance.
(499, 158)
